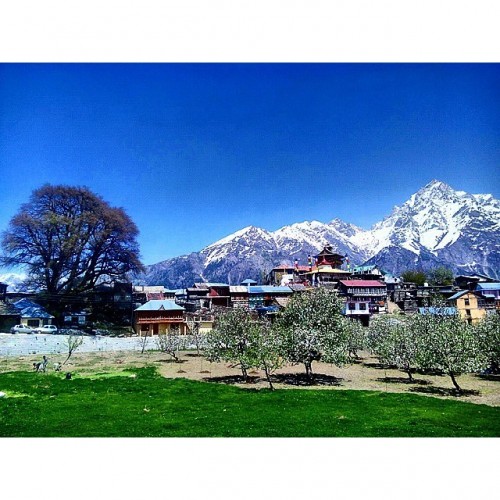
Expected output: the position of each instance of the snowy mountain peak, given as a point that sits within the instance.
(436, 226)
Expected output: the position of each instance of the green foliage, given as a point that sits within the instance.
(168, 342)
(231, 339)
(356, 336)
(312, 328)
(417, 277)
(69, 239)
(266, 347)
(448, 344)
(246, 341)
(148, 405)
(395, 343)
(488, 333)
(441, 276)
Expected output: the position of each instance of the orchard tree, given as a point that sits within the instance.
(69, 239)
(231, 340)
(266, 346)
(395, 343)
(169, 343)
(488, 331)
(73, 342)
(312, 328)
(448, 344)
(356, 337)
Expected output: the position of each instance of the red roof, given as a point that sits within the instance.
(358, 283)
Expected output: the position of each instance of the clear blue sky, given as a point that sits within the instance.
(195, 152)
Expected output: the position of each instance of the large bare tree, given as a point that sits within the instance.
(69, 239)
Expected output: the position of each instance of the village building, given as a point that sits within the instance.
(239, 296)
(264, 296)
(327, 269)
(490, 292)
(202, 321)
(143, 293)
(9, 315)
(284, 274)
(32, 314)
(367, 273)
(363, 297)
(76, 319)
(469, 282)
(470, 306)
(159, 316)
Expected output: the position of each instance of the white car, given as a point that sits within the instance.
(22, 329)
(46, 329)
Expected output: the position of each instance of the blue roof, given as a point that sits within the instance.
(488, 286)
(158, 305)
(30, 309)
(365, 268)
(458, 295)
(269, 289)
(248, 281)
(443, 311)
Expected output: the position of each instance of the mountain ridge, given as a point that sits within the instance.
(435, 226)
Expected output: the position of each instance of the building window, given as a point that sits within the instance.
(467, 302)
(362, 306)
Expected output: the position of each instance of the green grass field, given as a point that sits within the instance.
(144, 404)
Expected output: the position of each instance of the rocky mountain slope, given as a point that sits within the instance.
(436, 226)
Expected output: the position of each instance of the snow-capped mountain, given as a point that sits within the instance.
(436, 226)
(15, 281)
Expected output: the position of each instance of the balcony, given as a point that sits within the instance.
(159, 319)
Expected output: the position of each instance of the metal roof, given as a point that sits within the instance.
(159, 305)
(30, 309)
(248, 281)
(269, 289)
(488, 286)
(441, 311)
(362, 283)
(238, 289)
(458, 295)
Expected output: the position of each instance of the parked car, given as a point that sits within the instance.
(22, 329)
(46, 329)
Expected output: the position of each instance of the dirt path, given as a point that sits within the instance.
(366, 374)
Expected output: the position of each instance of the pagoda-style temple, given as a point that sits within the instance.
(327, 270)
(327, 257)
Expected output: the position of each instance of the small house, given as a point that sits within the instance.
(469, 305)
(32, 314)
(159, 316)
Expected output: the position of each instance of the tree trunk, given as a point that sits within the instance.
(268, 377)
(408, 371)
(457, 387)
(309, 372)
(244, 372)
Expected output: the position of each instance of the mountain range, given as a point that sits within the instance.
(437, 226)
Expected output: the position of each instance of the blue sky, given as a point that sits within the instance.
(194, 152)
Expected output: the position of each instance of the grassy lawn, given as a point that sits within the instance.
(142, 403)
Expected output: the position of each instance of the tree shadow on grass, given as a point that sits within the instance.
(178, 361)
(301, 379)
(444, 391)
(403, 380)
(232, 379)
(380, 366)
(194, 355)
(490, 377)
